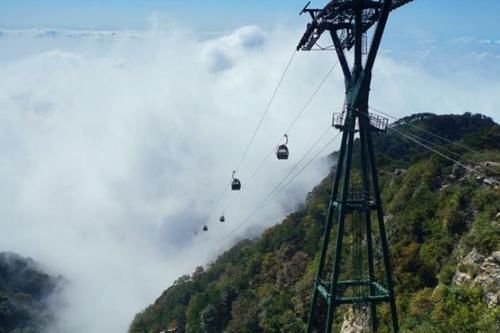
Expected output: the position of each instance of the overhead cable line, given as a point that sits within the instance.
(297, 116)
(306, 105)
(282, 185)
(439, 137)
(294, 167)
(426, 131)
(431, 143)
(443, 155)
(308, 163)
(456, 144)
(279, 189)
(288, 129)
(217, 201)
(266, 110)
(418, 140)
(223, 192)
(415, 138)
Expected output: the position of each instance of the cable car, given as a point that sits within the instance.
(235, 184)
(282, 150)
(205, 228)
(222, 218)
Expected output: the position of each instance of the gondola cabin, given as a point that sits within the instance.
(282, 152)
(205, 228)
(235, 183)
(222, 219)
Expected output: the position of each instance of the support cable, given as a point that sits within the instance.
(425, 131)
(294, 121)
(280, 187)
(443, 155)
(315, 92)
(416, 139)
(436, 146)
(291, 171)
(289, 128)
(266, 110)
(456, 144)
(433, 145)
(308, 163)
(217, 201)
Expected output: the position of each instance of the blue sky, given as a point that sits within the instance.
(444, 35)
(134, 13)
(446, 17)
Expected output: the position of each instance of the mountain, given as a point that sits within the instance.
(443, 224)
(24, 294)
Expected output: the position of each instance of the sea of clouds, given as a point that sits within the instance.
(115, 145)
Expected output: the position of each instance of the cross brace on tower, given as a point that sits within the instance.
(347, 22)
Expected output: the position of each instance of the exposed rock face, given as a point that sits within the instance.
(357, 320)
(481, 271)
(457, 171)
(399, 172)
(459, 174)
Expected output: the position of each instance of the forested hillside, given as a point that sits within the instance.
(24, 293)
(443, 223)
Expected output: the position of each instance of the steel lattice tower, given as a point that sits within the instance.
(353, 204)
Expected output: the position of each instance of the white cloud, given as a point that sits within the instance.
(221, 53)
(70, 34)
(469, 40)
(485, 41)
(402, 90)
(462, 40)
(113, 153)
(112, 158)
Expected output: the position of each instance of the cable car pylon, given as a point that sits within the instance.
(353, 204)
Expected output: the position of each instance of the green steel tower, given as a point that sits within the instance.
(353, 272)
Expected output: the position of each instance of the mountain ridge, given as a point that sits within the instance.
(437, 213)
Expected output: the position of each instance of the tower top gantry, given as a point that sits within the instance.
(339, 15)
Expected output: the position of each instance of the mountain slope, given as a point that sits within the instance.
(443, 226)
(24, 292)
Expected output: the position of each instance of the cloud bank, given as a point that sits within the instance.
(114, 150)
(112, 156)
